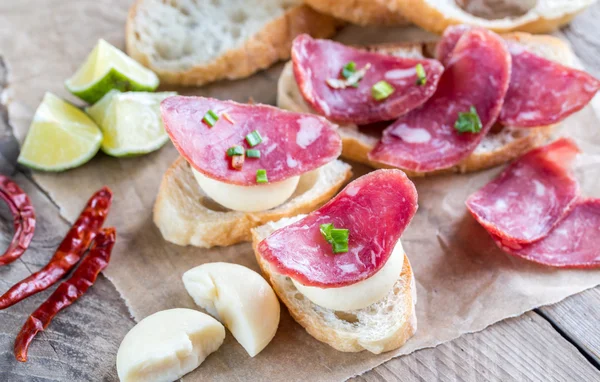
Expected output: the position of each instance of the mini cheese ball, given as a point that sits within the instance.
(167, 345)
(240, 298)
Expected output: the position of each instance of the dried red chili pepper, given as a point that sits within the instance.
(67, 292)
(23, 219)
(69, 251)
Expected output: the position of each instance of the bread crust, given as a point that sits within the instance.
(435, 20)
(186, 216)
(405, 286)
(361, 12)
(271, 44)
(514, 141)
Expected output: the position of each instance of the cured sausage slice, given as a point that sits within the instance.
(292, 143)
(573, 243)
(541, 91)
(376, 208)
(530, 197)
(426, 138)
(316, 62)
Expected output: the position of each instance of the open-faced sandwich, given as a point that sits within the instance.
(242, 165)
(341, 270)
(485, 100)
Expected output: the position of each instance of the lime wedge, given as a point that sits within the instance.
(108, 68)
(60, 137)
(131, 122)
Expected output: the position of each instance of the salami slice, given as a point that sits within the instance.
(530, 197)
(541, 91)
(426, 138)
(376, 208)
(292, 143)
(573, 243)
(316, 62)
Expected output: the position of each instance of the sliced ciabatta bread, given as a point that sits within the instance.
(497, 147)
(383, 326)
(361, 12)
(186, 216)
(189, 42)
(501, 16)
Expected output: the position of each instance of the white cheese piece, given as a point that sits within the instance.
(238, 297)
(247, 198)
(167, 345)
(361, 294)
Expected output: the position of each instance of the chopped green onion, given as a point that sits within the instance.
(253, 138)
(326, 231)
(421, 76)
(381, 90)
(340, 247)
(261, 176)
(235, 150)
(252, 153)
(468, 122)
(349, 69)
(210, 118)
(337, 237)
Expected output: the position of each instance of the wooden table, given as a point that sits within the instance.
(554, 343)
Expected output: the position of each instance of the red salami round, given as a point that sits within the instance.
(573, 243)
(541, 92)
(469, 94)
(530, 197)
(290, 144)
(319, 71)
(375, 208)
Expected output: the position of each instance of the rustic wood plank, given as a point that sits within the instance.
(81, 342)
(525, 348)
(577, 317)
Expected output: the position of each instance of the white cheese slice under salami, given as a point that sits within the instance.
(425, 139)
(375, 208)
(291, 143)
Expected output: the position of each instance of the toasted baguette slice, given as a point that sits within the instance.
(383, 326)
(361, 12)
(186, 216)
(191, 43)
(496, 148)
(541, 16)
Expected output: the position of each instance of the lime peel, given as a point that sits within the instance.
(60, 137)
(131, 122)
(107, 68)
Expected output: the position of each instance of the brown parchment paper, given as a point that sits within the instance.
(464, 282)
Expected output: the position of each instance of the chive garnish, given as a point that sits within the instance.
(235, 150)
(421, 76)
(261, 176)
(253, 153)
(349, 69)
(253, 138)
(210, 118)
(381, 90)
(337, 237)
(468, 122)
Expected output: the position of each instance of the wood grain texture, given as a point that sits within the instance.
(81, 342)
(525, 348)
